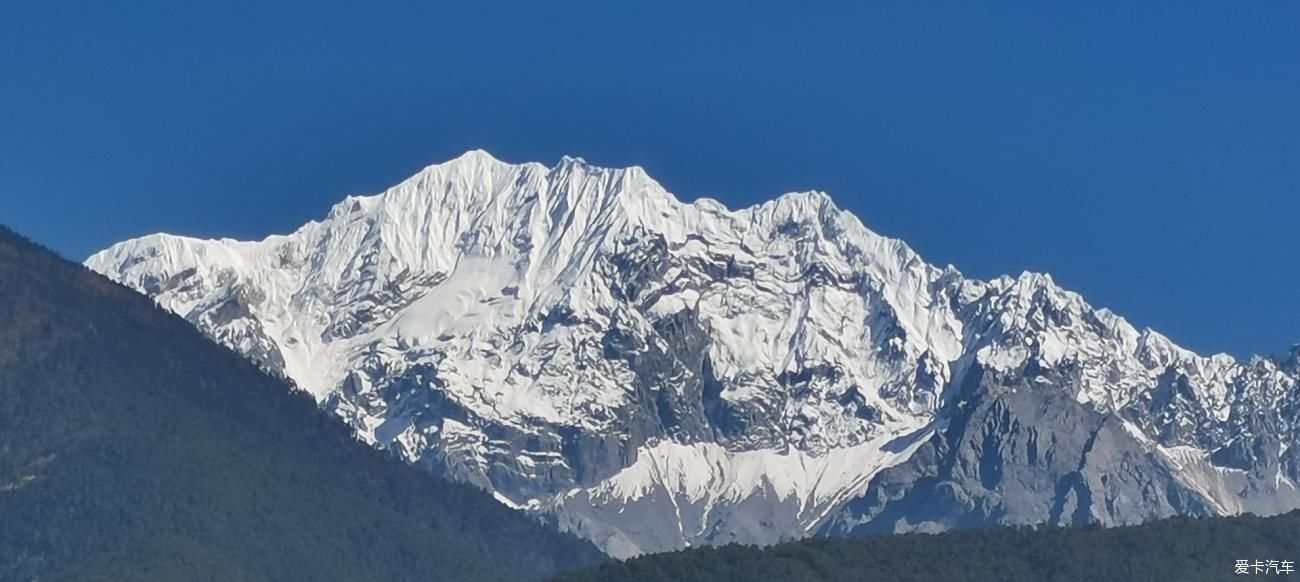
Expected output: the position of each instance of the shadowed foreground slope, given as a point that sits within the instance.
(133, 448)
(1174, 549)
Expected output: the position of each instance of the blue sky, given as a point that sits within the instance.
(1146, 154)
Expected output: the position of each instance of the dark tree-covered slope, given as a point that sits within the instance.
(133, 448)
(1183, 549)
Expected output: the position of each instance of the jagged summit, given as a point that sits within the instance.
(654, 374)
(543, 224)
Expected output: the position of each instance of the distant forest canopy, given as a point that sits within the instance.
(133, 448)
(1182, 549)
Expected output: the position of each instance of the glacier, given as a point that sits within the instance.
(654, 374)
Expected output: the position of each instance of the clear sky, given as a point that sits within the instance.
(1146, 154)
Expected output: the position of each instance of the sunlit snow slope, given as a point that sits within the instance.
(653, 374)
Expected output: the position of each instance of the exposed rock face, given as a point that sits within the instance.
(1019, 450)
(654, 374)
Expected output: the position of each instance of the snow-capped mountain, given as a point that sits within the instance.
(654, 374)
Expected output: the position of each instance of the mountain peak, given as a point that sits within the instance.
(472, 163)
(475, 156)
(813, 201)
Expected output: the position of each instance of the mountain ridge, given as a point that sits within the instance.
(654, 374)
(134, 448)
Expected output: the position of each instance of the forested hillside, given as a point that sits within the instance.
(133, 448)
(1180, 549)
